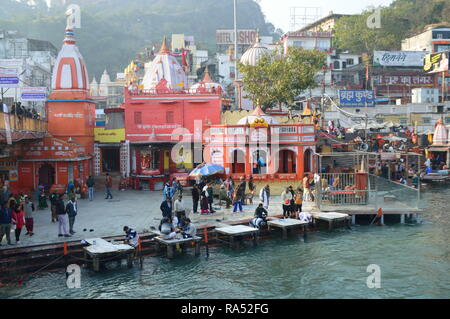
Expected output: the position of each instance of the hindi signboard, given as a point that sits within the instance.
(399, 58)
(436, 62)
(357, 97)
(34, 94)
(245, 37)
(9, 78)
(410, 80)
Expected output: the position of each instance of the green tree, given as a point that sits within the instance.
(401, 19)
(278, 79)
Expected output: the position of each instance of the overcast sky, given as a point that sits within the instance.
(278, 11)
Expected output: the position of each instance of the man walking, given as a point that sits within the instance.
(239, 196)
(71, 209)
(90, 184)
(29, 221)
(108, 185)
(62, 216)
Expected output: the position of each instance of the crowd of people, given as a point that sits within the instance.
(16, 212)
(21, 111)
(233, 195)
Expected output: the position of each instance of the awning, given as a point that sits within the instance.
(439, 149)
(76, 159)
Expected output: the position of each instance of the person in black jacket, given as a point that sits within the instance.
(62, 216)
(195, 198)
(71, 209)
(90, 183)
(166, 208)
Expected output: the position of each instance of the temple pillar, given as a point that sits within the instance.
(248, 164)
(300, 164)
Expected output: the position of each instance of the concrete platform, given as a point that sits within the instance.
(136, 209)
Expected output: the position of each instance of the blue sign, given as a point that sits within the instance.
(9, 80)
(357, 98)
(34, 94)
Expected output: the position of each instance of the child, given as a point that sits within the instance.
(298, 201)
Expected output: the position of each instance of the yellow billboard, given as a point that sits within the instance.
(109, 136)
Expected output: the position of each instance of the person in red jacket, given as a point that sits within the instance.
(18, 219)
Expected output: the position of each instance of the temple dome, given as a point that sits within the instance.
(70, 73)
(254, 54)
(164, 66)
(94, 87)
(440, 136)
(105, 78)
(257, 114)
(206, 83)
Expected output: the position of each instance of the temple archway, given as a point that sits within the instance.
(307, 161)
(287, 162)
(259, 164)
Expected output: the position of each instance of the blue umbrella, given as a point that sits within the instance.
(207, 169)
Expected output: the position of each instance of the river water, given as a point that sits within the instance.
(414, 261)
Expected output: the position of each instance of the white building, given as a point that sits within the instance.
(307, 40)
(425, 95)
(34, 61)
(434, 38)
(107, 93)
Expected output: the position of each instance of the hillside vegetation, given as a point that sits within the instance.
(114, 31)
(401, 19)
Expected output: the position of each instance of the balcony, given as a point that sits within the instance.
(21, 128)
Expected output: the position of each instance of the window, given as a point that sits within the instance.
(441, 47)
(447, 120)
(344, 64)
(380, 121)
(137, 117)
(403, 121)
(337, 65)
(298, 44)
(350, 61)
(169, 116)
(426, 120)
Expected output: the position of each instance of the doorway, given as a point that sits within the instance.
(46, 176)
(110, 160)
(287, 162)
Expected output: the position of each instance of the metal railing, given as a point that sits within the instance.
(356, 189)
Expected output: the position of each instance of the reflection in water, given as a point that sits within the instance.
(414, 261)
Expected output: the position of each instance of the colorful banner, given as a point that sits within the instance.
(34, 94)
(9, 78)
(109, 136)
(399, 58)
(436, 62)
(356, 98)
